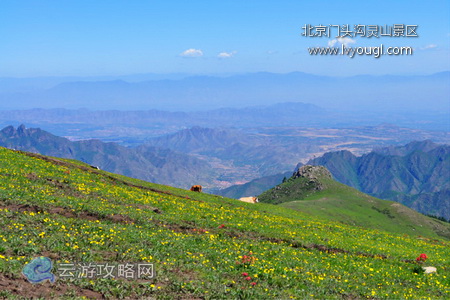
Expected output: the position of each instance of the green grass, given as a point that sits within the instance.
(200, 244)
(342, 203)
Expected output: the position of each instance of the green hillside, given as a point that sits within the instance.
(315, 192)
(416, 174)
(144, 162)
(201, 246)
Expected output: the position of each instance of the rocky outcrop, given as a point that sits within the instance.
(314, 174)
(305, 182)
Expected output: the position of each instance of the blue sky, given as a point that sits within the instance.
(89, 38)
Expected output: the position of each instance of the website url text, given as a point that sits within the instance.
(376, 51)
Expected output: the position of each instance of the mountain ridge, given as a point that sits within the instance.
(145, 162)
(312, 190)
(413, 174)
(209, 92)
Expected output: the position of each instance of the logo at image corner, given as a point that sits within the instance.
(39, 270)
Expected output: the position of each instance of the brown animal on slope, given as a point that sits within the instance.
(249, 199)
(196, 188)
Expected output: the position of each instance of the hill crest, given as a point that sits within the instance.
(416, 174)
(313, 190)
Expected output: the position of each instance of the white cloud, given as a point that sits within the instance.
(427, 47)
(430, 46)
(344, 41)
(331, 43)
(192, 53)
(226, 54)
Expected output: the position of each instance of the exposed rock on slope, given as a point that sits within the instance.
(417, 174)
(305, 181)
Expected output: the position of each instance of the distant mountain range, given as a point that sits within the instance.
(260, 153)
(135, 127)
(144, 162)
(197, 93)
(214, 158)
(417, 174)
(244, 155)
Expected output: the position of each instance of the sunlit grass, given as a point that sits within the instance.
(201, 245)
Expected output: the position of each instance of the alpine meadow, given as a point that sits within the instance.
(201, 245)
(202, 150)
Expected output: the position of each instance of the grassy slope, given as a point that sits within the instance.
(70, 212)
(344, 204)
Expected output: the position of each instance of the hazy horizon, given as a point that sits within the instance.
(197, 56)
(181, 75)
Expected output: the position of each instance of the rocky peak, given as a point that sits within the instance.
(306, 181)
(21, 129)
(312, 172)
(21, 132)
(9, 131)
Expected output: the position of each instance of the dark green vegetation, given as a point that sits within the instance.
(416, 175)
(439, 218)
(313, 191)
(202, 246)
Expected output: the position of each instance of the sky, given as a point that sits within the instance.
(96, 38)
